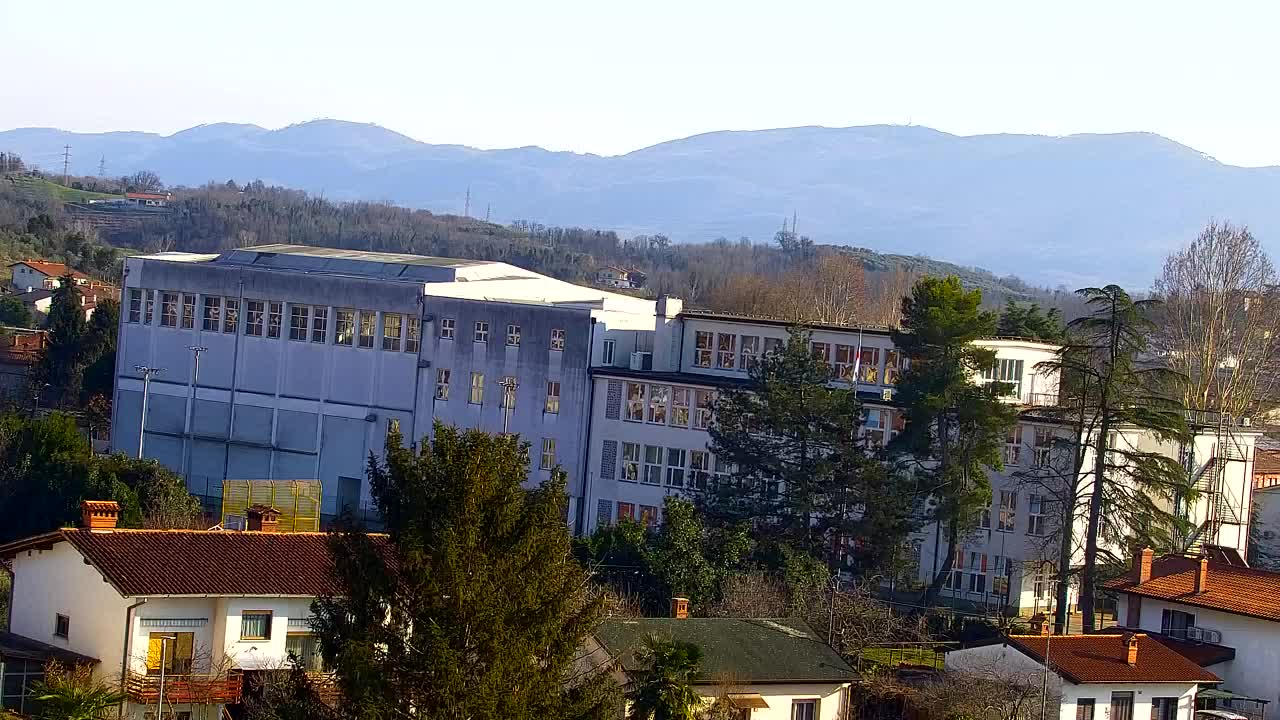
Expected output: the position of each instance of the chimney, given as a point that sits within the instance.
(1133, 649)
(1202, 576)
(1142, 564)
(680, 608)
(99, 514)
(263, 518)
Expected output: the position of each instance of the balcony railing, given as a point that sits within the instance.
(1038, 399)
(193, 689)
(1194, 634)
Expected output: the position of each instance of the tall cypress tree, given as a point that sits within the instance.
(955, 427)
(61, 366)
(474, 608)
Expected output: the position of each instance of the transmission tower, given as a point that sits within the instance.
(102, 167)
(466, 208)
(66, 163)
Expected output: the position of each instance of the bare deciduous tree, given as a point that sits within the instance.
(1220, 320)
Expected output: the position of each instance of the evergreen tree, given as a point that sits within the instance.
(954, 426)
(686, 560)
(664, 690)
(802, 476)
(474, 607)
(1028, 321)
(1115, 391)
(14, 312)
(99, 355)
(62, 364)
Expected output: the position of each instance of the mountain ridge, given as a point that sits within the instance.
(1051, 209)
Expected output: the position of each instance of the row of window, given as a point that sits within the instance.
(1162, 708)
(509, 385)
(669, 405)
(265, 318)
(1041, 449)
(1007, 513)
(740, 353)
(671, 467)
(970, 572)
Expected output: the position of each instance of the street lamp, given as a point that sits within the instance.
(147, 372)
(191, 401)
(508, 385)
(164, 639)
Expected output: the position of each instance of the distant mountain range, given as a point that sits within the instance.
(1070, 210)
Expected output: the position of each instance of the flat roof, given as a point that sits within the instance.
(361, 255)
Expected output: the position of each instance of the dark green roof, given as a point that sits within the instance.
(741, 650)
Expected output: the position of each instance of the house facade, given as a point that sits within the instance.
(207, 608)
(26, 275)
(289, 362)
(1228, 613)
(1120, 676)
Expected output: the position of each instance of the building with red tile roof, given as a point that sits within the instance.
(34, 274)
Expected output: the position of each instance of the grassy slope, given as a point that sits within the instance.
(37, 187)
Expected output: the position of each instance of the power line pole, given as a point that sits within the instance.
(486, 212)
(66, 163)
(102, 167)
(466, 208)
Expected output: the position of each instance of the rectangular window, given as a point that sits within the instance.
(1008, 372)
(392, 324)
(149, 305)
(168, 309)
(231, 315)
(748, 352)
(1004, 570)
(635, 402)
(772, 345)
(413, 334)
(659, 396)
(626, 511)
(548, 453)
(61, 626)
(869, 366)
(275, 316)
(699, 469)
(188, 311)
(977, 571)
(509, 386)
(557, 339)
(703, 406)
(652, 465)
(254, 317)
(873, 428)
(212, 314)
(446, 328)
(1041, 583)
(680, 407)
(1013, 446)
(1035, 518)
(822, 351)
(675, 467)
(804, 709)
(631, 462)
(1174, 623)
(319, 324)
(846, 361)
(513, 335)
(606, 358)
(135, 305)
(1164, 708)
(477, 388)
(299, 319)
(553, 397)
(345, 327)
(1008, 510)
(722, 470)
(255, 625)
(1121, 706)
(480, 333)
(368, 326)
(702, 349)
(1043, 449)
(304, 648)
(892, 367)
(648, 515)
(442, 383)
(984, 518)
(1084, 708)
(955, 580)
(177, 650)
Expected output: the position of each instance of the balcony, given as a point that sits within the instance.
(193, 689)
(1038, 399)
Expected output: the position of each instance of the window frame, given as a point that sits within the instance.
(299, 333)
(230, 315)
(62, 626)
(607, 353)
(656, 410)
(392, 343)
(275, 318)
(448, 328)
(636, 405)
(344, 317)
(679, 414)
(676, 466)
(480, 332)
(653, 465)
(1007, 518)
(798, 709)
(1081, 704)
(476, 396)
(557, 339)
(513, 335)
(244, 614)
(320, 323)
(135, 306)
(547, 458)
(726, 352)
(255, 318)
(367, 320)
(632, 461)
(412, 334)
(443, 376)
(703, 415)
(704, 345)
(553, 398)
(169, 308)
(188, 317)
(211, 313)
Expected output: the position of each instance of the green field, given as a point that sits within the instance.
(40, 187)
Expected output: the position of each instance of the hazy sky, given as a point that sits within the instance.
(608, 77)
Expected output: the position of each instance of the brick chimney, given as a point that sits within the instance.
(263, 518)
(99, 514)
(1132, 643)
(1202, 576)
(680, 608)
(1142, 564)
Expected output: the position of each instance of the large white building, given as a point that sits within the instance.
(307, 356)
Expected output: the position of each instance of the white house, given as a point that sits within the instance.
(1121, 676)
(215, 604)
(767, 669)
(28, 275)
(1223, 613)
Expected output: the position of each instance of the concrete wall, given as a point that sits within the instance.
(830, 698)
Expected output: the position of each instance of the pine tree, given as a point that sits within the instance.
(956, 427)
(99, 350)
(474, 606)
(802, 477)
(62, 365)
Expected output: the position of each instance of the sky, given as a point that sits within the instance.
(609, 77)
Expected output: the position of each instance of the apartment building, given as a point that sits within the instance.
(291, 362)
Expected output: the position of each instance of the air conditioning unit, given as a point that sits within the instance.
(886, 394)
(641, 361)
(1246, 422)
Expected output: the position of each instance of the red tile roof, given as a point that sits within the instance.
(202, 562)
(51, 269)
(1229, 588)
(1202, 654)
(1104, 659)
